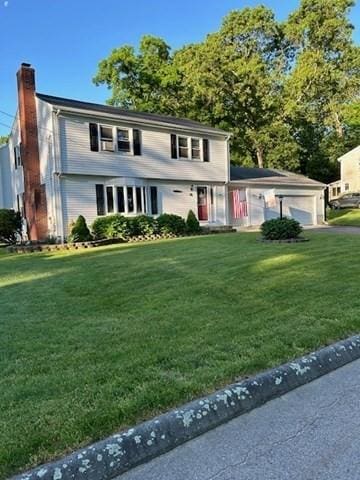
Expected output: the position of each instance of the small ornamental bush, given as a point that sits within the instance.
(280, 229)
(192, 223)
(79, 231)
(142, 225)
(10, 225)
(111, 226)
(171, 224)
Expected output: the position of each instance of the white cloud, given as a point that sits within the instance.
(6, 3)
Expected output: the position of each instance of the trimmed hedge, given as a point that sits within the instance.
(79, 231)
(171, 224)
(280, 229)
(118, 226)
(192, 223)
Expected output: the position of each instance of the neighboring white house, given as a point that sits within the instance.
(349, 174)
(301, 197)
(67, 158)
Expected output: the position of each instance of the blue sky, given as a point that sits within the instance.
(65, 39)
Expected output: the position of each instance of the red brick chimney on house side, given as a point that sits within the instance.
(34, 192)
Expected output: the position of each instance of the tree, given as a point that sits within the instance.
(286, 91)
(10, 225)
(145, 80)
(323, 83)
(4, 139)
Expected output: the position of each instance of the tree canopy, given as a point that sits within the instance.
(287, 91)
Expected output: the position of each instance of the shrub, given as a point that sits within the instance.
(142, 225)
(192, 223)
(173, 224)
(10, 225)
(111, 226)
(280, 229)
(79, 231)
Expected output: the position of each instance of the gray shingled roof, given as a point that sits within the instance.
(130, 114)
(267, 176)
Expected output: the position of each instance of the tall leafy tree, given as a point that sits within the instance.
(4, 139)
(324, 81)
(288, 92)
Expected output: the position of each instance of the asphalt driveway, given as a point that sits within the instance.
(310, 433)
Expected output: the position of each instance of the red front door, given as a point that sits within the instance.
(202, 203)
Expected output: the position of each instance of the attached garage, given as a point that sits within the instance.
(299, 197)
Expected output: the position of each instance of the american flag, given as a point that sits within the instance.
(239, 204)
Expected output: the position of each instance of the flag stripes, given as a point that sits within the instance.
(240, 209)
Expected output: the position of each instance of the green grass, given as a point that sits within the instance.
(93, 341)
(345, 217)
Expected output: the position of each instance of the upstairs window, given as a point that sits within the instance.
(123, 140)
(106, 139)
(189, 147)
(195, 149)
(183, 147)
(17, 156)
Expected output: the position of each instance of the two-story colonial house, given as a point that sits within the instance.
(67, 157)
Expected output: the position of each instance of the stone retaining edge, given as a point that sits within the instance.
(118, 453)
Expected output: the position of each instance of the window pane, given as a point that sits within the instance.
(195, 153)
(183, 152)
(121, 199)
(100, 200)
(130, 199)
(106, 133)
(183, 142)
(110, 199)
(195, 143)
(154, 201)
(138, 200)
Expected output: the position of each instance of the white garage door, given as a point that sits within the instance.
(300, 208)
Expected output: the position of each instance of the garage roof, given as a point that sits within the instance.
(270, 176)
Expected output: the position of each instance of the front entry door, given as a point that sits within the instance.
(202, 203)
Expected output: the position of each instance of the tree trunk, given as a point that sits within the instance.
(338, 126)
(260, 156)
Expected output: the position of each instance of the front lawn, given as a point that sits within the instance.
(345, 217)
(93, 341)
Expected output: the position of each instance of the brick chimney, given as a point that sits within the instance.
(34, 192)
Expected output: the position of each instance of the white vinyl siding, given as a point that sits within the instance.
(154, 162)
(79, 197)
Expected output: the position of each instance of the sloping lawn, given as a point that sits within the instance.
(345, 217)
(93, 341)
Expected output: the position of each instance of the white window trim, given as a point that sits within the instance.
(189, 147)
(114, 139)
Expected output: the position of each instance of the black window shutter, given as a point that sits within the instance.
(15, 158)
(173, 146)
(154, 200)
(206, 150)
(94, 137)
(137, 141)
(100, 199)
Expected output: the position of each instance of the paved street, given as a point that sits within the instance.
(312, 433)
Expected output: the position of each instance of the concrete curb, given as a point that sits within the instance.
(120, 452)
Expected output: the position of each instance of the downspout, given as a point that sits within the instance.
(57, 176)
(227, 184)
